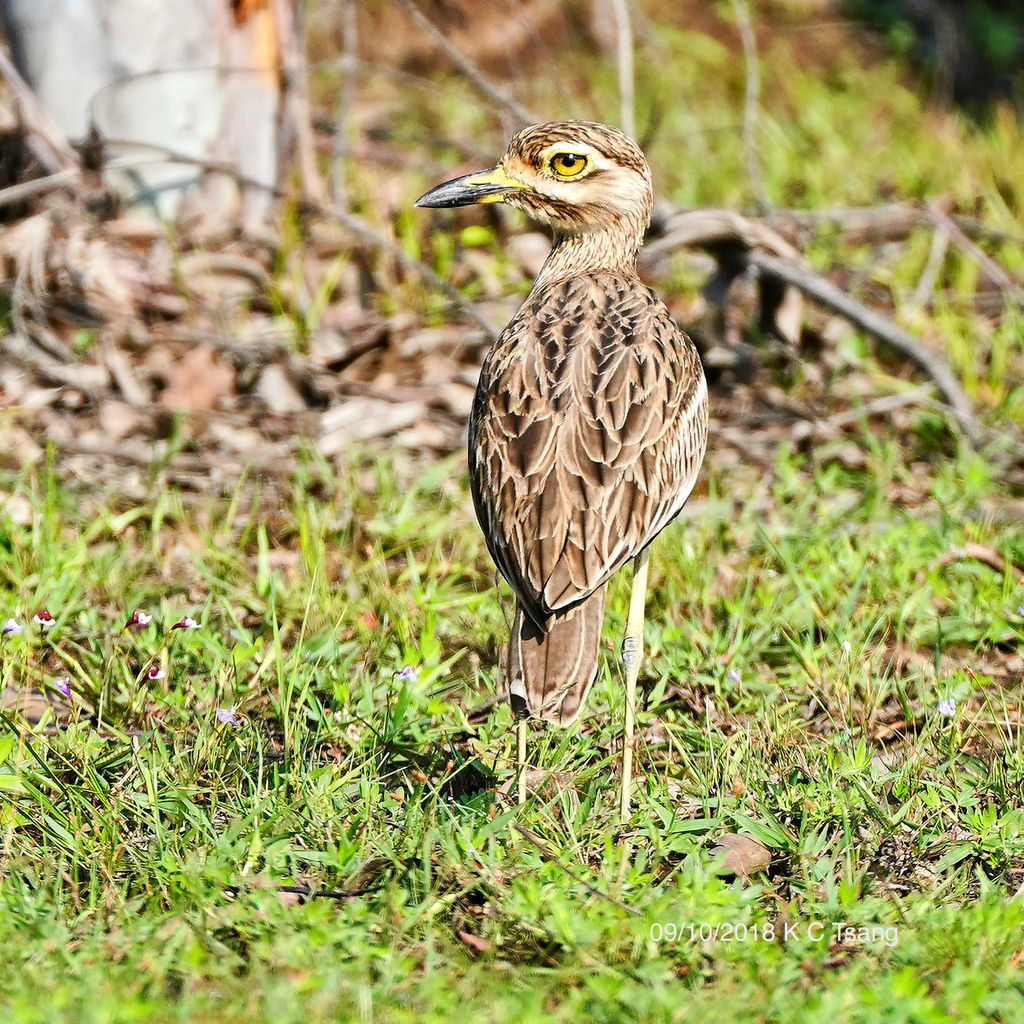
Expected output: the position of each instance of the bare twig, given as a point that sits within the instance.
(709, 227)
(51, 182)
(467, 67)
(750, 101)
(359, 227)
(822, 430)
(887, 221)
(992, 270)
(27, 189)
(346, 95)
(306, 892)
(925, 289)
(46, 141)
(624, 61)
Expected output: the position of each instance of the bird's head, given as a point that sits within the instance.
(578, 176)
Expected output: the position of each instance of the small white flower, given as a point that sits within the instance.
(186, 623)
(947, 708)
(138, 619)
(12, 627)
(846, 648)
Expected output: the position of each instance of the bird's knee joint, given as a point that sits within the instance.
(630, 651)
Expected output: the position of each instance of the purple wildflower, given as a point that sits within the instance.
(11, 628)
(734, 676)
(63, 685)
(409, 674)
(227, 716)
(947, 708)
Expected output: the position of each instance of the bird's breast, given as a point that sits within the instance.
(583, 418)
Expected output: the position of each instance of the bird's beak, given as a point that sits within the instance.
(482, 187)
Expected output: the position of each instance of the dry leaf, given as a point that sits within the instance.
(198, 381)
(741, 854)
(475, 942)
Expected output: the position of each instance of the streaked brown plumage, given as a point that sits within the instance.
(590, 417)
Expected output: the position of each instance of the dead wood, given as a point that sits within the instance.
(739, 243)
(833, 298)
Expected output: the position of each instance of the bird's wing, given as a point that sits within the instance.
(587, 432)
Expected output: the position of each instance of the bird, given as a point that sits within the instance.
(590, 418)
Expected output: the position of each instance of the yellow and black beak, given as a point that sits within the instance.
(481, 187)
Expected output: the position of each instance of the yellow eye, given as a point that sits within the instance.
(568, 165)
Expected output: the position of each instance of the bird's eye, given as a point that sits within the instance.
(568, 165)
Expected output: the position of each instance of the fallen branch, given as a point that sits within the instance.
(738, 242)
(727, 236)
(37, 186)
(833, 298)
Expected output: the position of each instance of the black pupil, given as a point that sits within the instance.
(569, 160)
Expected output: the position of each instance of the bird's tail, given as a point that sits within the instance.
(551, 670)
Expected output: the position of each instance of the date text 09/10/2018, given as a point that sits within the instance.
(770, 931)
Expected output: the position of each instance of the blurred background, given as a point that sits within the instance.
(210, 258)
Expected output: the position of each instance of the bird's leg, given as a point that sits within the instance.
(521, 757)
(632, 654)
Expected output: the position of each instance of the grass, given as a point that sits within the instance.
(804, 626)
(802, 633)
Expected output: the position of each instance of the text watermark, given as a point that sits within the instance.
(841, 932)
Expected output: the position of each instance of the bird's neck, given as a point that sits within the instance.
(613, 248)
